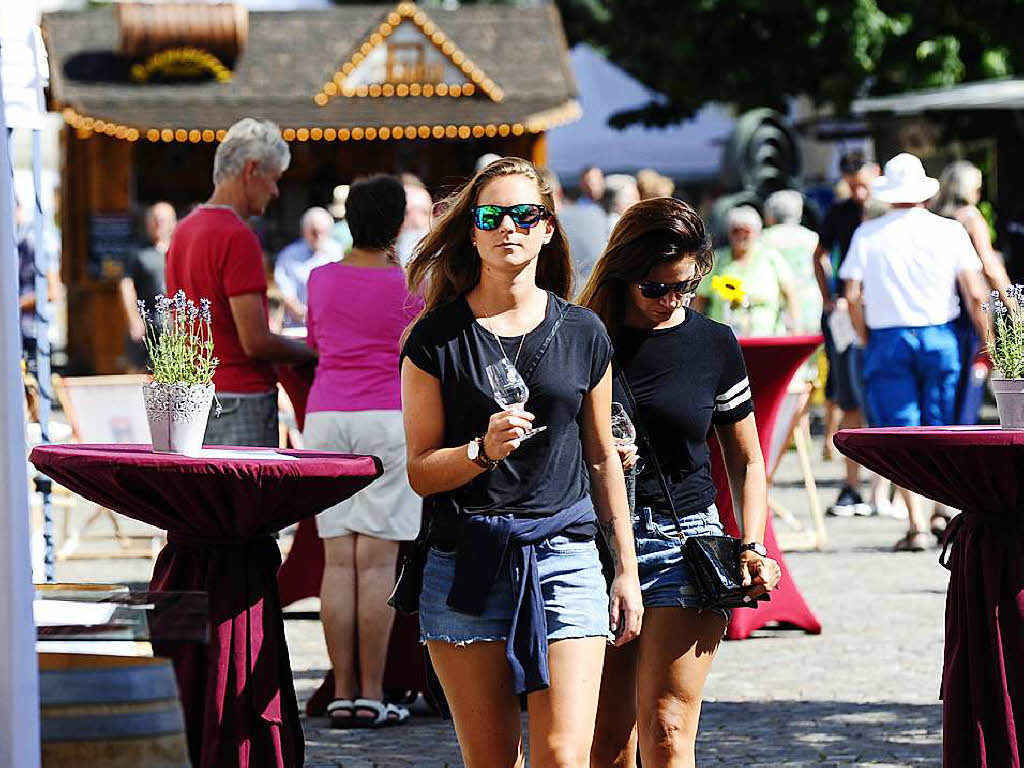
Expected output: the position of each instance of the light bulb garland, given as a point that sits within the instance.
(337, 85)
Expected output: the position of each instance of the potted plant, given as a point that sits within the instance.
(1006, 350)
(179, 340)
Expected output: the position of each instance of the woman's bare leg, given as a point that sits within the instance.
(477, 682)
(562, 717)
(615, 732)
(677, 646)
(338, 612)
(375, 574)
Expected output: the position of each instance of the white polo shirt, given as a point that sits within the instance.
(907, 262)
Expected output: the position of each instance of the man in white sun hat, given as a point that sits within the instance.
(902, 273)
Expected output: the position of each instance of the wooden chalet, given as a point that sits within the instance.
(147, 90)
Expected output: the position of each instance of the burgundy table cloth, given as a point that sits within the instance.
(979, 470)
(771, 364)
(219, 513)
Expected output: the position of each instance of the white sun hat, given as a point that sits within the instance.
(903, 180)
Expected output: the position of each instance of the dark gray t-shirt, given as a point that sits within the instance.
(546, 473)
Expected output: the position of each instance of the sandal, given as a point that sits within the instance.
(341, 713)
(384, 714)
(914, 542)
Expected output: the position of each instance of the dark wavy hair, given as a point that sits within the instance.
(445, 264)
(661, 230)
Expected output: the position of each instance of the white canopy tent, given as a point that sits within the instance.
(691, 149)
(19, 676)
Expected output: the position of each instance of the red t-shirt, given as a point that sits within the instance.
(215, 256)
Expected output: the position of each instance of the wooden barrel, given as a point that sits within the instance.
(110, 712)
(148, 28)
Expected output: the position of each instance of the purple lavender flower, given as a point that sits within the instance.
(204, 310)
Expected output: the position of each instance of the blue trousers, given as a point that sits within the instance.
(911, 376)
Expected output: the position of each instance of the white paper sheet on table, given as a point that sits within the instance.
(267, 454)
(55, 613)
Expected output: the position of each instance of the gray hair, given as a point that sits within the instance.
(744, 214)
(246, 140)
(957, 185)
(314, 214)
(784, 207)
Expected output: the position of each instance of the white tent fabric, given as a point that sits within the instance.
(691, 149)
(19, 676)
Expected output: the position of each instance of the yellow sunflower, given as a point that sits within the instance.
(729, 289)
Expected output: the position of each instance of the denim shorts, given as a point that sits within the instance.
(574, 591)
(665, 577)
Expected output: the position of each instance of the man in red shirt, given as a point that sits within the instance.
(215, 255)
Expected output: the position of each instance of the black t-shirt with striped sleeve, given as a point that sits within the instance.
(684, 379)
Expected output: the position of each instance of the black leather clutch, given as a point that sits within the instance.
(715, 562)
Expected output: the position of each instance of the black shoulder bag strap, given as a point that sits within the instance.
(652, 454)
(547, 342)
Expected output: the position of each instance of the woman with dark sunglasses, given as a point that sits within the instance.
(513, 599)
(677, 374)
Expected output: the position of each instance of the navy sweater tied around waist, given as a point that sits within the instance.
(490, 542)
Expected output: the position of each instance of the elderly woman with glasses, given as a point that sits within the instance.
(751, 285)
(677, 373)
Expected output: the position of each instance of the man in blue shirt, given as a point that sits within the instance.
(295, 261)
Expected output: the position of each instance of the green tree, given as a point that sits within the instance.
(754, 53)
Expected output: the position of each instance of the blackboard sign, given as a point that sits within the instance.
(111, 242)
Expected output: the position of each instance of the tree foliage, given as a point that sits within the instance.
(761, 52)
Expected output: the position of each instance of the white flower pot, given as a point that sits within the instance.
(177, 415)
(1010, 402)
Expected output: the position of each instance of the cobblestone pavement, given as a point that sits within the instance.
(864, 692)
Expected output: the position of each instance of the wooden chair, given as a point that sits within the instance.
(792, 427)
(105, 409)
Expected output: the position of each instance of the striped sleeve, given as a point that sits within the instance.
(733, 400)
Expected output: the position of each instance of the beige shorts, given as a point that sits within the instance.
(387, 508)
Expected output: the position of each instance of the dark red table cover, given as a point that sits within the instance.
(237, 692)
(771, 364)
(979, 470)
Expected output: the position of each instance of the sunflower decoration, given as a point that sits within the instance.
(729, 289)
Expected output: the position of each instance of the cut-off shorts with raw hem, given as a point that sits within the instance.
(666, 580)
(574, 592)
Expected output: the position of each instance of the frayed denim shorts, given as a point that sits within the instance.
(574, 591)
(665, 577)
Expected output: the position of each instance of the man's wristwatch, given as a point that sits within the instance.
(756, 547)
(475, 452)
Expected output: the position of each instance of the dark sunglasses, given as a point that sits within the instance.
(652, 290)
(524, 215)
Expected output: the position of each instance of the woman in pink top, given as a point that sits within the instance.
(357, 311)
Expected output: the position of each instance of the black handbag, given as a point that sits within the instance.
(405, 598)
(714, 560)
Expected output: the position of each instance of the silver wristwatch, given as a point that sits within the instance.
(475, 452)
(756, 547)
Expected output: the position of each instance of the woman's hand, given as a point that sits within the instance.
(761, 574)
(627, 454)
(626, 608)
(504, 433)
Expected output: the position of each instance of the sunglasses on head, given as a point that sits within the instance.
(523, 215)
(652, 290)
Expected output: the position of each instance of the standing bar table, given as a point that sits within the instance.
(220, 512)
(771, 364)
(979, 470)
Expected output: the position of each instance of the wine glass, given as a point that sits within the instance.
(624, 433)
(510, 391)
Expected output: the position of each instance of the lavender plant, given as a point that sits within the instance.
(179, 340)
(1005, 343)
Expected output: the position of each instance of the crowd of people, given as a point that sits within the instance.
(540, 578)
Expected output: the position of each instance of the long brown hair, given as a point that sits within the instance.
(652, 232)
(446, 265)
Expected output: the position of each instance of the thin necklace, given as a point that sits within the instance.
(501, 346)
